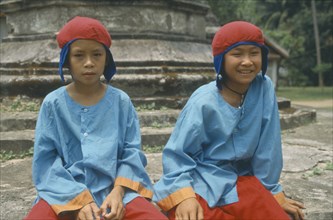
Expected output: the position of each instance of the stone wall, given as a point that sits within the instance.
(159, 39)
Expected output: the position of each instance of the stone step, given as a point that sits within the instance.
(293, 117)
(155, 136)
(27, 120)
(158, 118)
(158, 102)
(152, 118)
(17, 141)
(18, 121)
(22, 140)
(283, 103)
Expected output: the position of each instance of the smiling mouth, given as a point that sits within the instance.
(245, 72)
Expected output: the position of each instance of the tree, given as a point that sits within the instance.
(231, 10)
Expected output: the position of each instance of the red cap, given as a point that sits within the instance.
(234, 32)
(84, 28)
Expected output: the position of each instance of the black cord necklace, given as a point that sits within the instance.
(242, 95)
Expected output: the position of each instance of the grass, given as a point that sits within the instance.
(149, 107)
(305, 93)
(152, 149)
(9, 155)
(20, 105)
(319, 170)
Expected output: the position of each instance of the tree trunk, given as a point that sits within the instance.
(317, 41)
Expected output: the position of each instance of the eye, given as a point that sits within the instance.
(77, 55)
(97, 54)
(255, 52)
(236, 54)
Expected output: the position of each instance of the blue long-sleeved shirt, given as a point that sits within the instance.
(82, 152)
(213, 143)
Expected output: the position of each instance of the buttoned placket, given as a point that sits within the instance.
(240, 116)
(84, 127)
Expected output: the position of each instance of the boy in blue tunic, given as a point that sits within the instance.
(87, 160)
(224, 157)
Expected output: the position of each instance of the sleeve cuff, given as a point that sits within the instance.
(77, 203)
(136, 186)
(280, 198)
(175, 198)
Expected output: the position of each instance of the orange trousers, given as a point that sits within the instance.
(255, 203)
(138, 208)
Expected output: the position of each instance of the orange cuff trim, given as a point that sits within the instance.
(77, 203)
(280, 198)
(136, 186)
(175, 198)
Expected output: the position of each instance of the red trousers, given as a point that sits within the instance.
(255, 203)
(138, 208)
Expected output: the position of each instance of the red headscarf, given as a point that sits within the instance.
(83, 28)
(232, 35)
(89, 29)
(235, 32)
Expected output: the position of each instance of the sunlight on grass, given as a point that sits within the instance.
(305, 93)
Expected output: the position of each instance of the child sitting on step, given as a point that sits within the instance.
(224, 157)
(87, 161)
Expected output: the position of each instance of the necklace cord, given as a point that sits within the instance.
(238, 93)
(242, 95)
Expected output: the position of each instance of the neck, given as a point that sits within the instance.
(86, 95)
(235, 98)
(84, 90)
(234, 91)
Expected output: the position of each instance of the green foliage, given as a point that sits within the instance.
(20, 106)
(319, 170)
(9, 155)
(152, 149)
(156, 124)
(232, 10)
(145, 107)
(149, 107)
(324, 68)
(329, 166)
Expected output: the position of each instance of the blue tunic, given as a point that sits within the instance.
(82, 152)
(213, 143)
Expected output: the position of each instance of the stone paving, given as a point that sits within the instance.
(307, 174)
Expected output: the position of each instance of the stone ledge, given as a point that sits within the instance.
(289, 117)
(138, 85)
(16, 121)
(296, 118)
(163, 122)
(23, 140)
(17, 141)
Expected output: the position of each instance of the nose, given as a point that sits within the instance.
(88, 62)
(246, 61)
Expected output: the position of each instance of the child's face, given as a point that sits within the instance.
(86, 61)
(242, 64)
